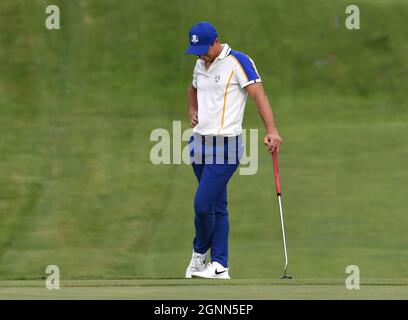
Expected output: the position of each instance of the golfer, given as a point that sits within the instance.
(222, 80)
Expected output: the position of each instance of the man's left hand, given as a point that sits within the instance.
(272, 141)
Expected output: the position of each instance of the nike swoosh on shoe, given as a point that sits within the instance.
(217, 272)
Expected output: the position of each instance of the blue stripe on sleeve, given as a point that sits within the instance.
(246, 65)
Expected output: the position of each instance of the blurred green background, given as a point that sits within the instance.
(77, 106)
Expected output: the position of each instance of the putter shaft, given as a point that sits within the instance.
(283, 233)
(279, 194)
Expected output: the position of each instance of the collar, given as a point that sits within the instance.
(225, 52)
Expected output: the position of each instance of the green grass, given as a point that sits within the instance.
(77, 107)
(170, 289)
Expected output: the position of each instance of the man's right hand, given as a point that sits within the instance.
(193, 119)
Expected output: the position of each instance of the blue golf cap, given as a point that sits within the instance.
(202, 36)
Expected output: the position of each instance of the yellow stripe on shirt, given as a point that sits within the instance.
(239, 63)
(225, 101)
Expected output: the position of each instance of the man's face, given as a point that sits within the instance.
(211, 54)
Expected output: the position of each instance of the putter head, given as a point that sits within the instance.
(285, 277)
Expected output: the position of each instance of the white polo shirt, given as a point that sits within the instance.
(220, 92)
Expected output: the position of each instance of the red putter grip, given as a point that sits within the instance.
(276, 172)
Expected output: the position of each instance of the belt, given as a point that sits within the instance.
(212, 139)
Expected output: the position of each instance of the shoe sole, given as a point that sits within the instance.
(190, 276)
(216, 278)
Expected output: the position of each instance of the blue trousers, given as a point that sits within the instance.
(215, 161)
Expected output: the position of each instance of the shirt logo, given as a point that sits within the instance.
(217, 78)
(194, 39)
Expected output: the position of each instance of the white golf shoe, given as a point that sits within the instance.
(214, 270)
(197, 263)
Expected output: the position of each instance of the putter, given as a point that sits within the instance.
(278, 192)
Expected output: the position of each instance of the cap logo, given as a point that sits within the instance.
(194, 39)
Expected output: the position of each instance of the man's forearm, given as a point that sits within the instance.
(192, 106)
(265, 111)
(192, 100)
(272, 139)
